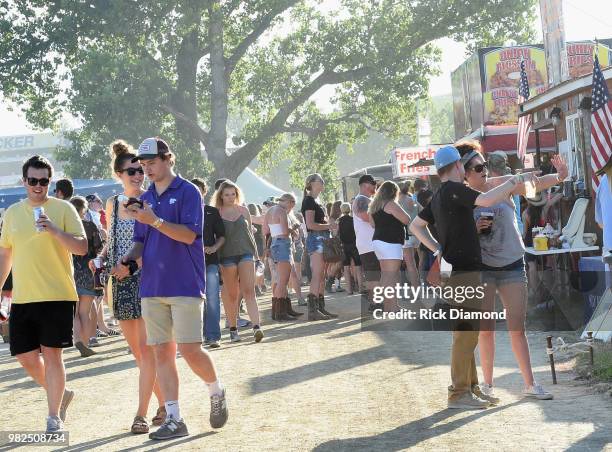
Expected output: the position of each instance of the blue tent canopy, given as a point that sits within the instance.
(104, 188)
(255, 188)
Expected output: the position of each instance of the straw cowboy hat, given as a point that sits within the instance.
(537, 200)
(604, 168)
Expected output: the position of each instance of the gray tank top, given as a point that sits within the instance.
(504, 245)
(239, 239)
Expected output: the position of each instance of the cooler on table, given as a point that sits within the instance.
(593, 282)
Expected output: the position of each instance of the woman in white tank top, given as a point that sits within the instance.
(276, 224)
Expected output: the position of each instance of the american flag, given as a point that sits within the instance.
(601, 122)
(524, 123)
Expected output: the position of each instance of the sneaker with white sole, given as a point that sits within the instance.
(234, 336)
(218, 410)
(537, 392)
(171, 428)
(66, 399)
(486, 392)
(468, 401)
(54, 424)
(214, 344)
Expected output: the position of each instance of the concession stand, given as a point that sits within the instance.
(485, 107)
(579, 278)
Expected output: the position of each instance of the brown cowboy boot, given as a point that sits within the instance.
(290, 310)
(281, 311)
(321, 305)
(313, 312)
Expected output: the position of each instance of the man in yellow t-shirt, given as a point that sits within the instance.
(44, 293)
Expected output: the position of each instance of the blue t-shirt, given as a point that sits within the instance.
(603, 210)
(171, 268)
(517, 214)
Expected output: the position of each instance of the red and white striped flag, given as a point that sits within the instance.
(601, 122)
(524, 123)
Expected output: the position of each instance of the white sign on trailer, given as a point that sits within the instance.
(403, 161)
(33, 141)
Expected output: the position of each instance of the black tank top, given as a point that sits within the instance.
(387, 228)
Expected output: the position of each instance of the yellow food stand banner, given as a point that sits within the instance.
(502, 74)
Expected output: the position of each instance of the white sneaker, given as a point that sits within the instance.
(537, 392)
(486, 392)
(486, 389)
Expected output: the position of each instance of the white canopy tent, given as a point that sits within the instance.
(255, 188)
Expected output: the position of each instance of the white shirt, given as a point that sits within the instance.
(94, 217)
(363, 230)
(603, 210)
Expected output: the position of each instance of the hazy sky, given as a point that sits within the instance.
(584, 19)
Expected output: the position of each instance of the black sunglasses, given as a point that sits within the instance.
(480, 167)
(33, 182)
(132, 171)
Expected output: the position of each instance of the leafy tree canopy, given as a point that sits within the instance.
(182, 69)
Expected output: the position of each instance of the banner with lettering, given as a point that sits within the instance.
(501, 76)
(580, 57)
(414, 161)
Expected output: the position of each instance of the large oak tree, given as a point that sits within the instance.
(189, 69)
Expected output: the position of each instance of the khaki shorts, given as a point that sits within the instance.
(172, 319)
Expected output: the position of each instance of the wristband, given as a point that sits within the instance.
(158, 223)
(436, 253)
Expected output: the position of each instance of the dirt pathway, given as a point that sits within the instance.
(326, 386)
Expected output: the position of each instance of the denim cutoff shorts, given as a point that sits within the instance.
(314, 241)
(280, 250)
(508, 274)
(231, 261)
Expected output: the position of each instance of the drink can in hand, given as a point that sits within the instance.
(38, 211)
(99, 274)
(488, 216)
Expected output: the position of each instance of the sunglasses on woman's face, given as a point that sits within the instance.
(132, 171)
(479, 168)
(33, 182)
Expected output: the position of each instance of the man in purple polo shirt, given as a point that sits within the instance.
(168, 242)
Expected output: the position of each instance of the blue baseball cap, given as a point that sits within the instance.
(445, 156)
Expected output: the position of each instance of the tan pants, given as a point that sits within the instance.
(463, 363)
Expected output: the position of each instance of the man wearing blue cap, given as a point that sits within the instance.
(451, 210)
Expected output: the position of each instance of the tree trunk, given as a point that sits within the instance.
(219, 98)
(185, 97)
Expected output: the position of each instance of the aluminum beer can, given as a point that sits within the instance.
(38, 211)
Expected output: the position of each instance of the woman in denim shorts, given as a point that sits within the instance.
(318, 228)
(276, 223)
(236, 257)
(504, 273)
